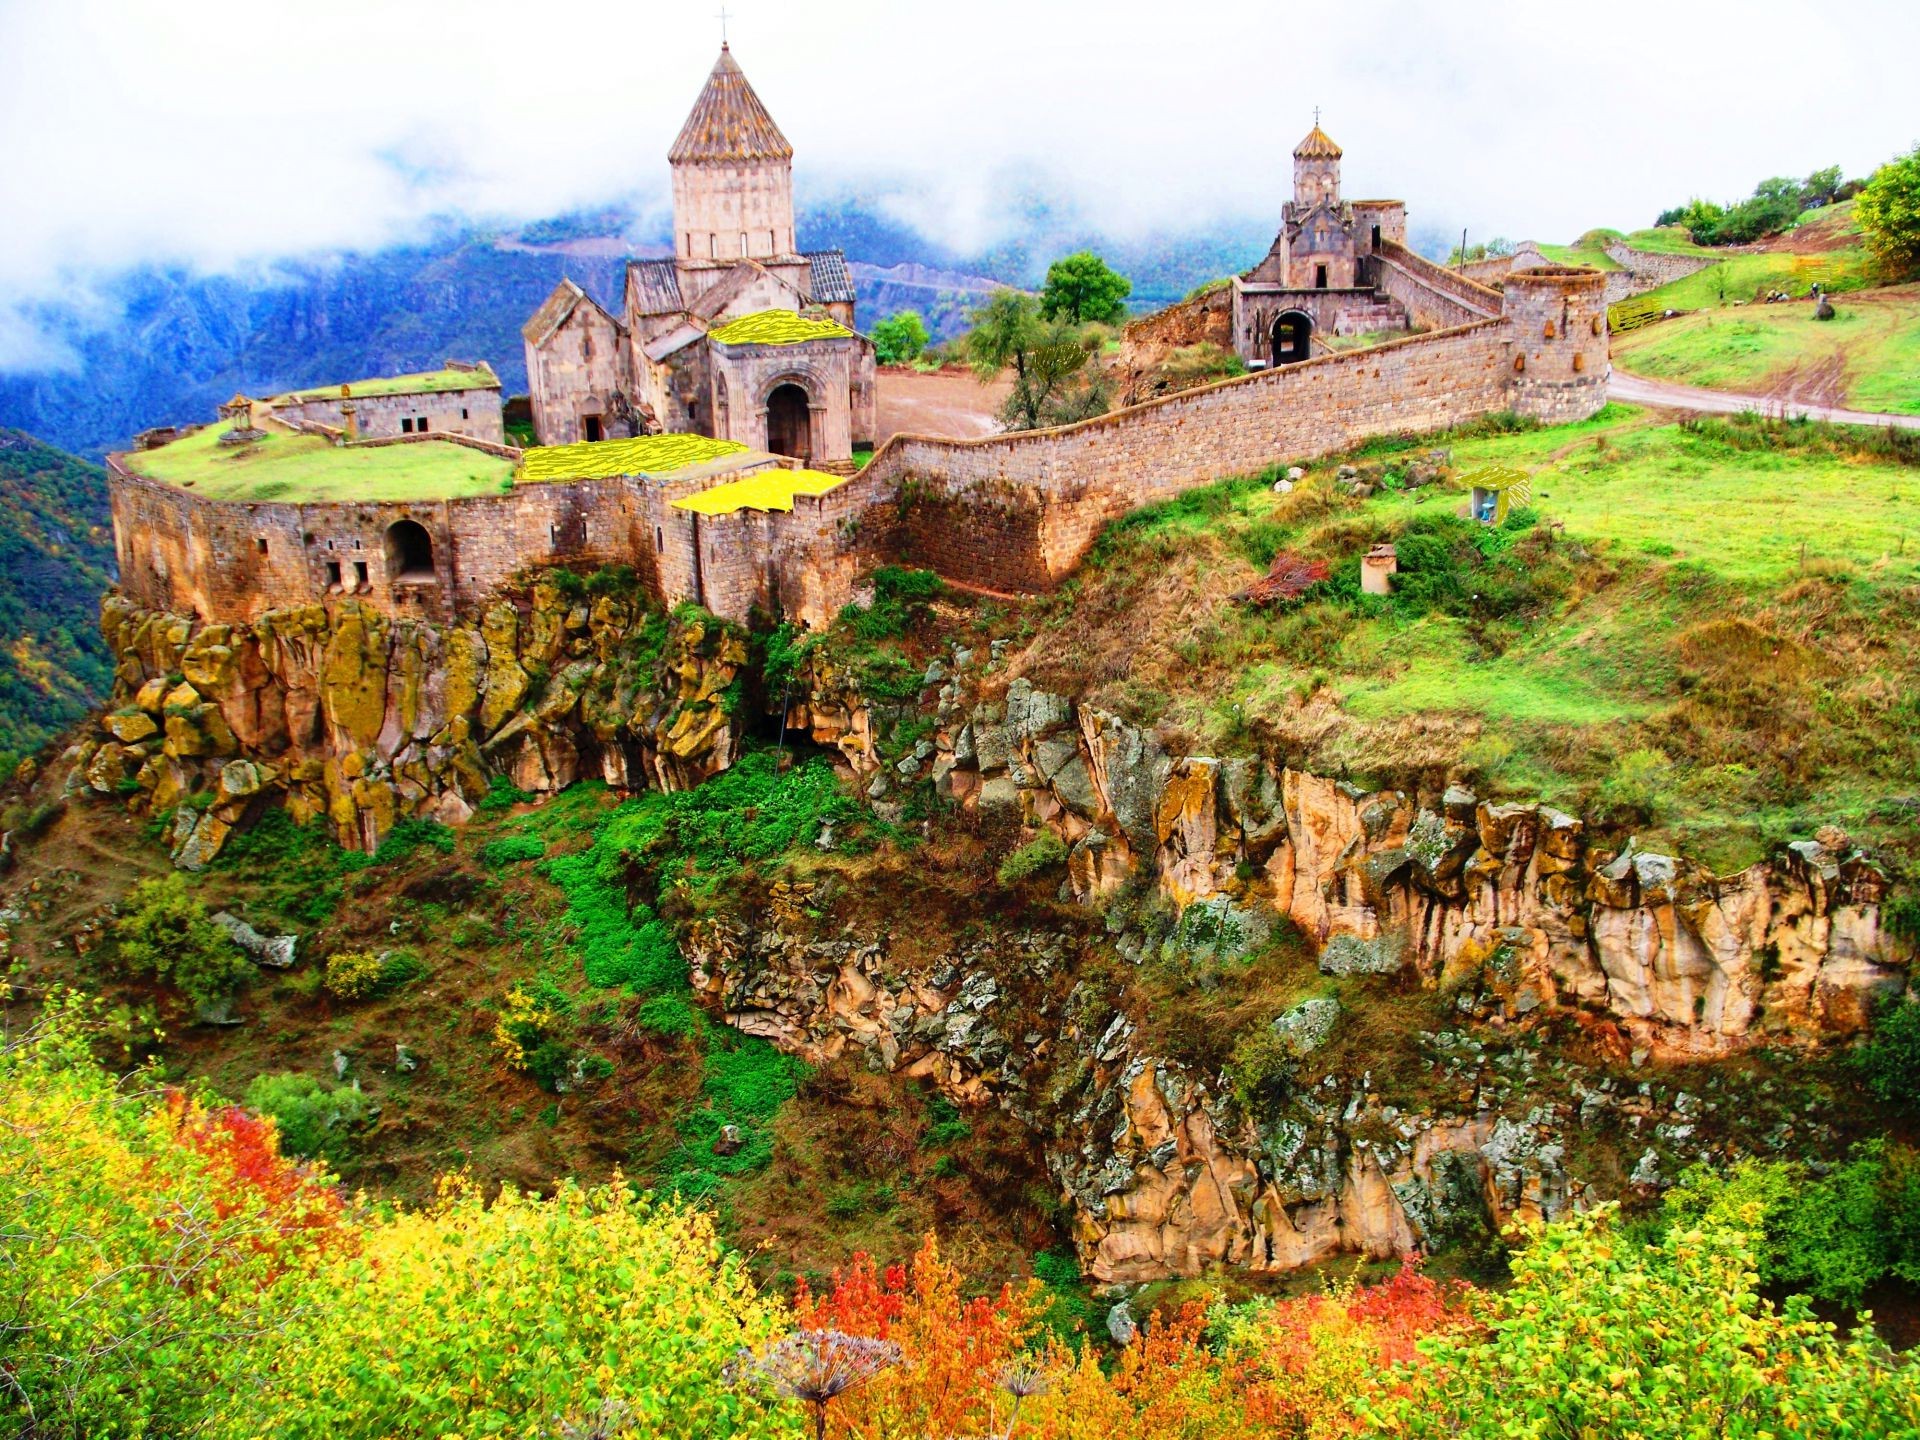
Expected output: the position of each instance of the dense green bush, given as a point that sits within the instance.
(1889, 1063)
(1043, 852)
(900, 597)
(899, 338)
(362, 974)
(511, 850)
(1834, 1236)
(166, 933)
(316, 1121)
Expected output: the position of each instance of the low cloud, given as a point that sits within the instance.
(191, 134)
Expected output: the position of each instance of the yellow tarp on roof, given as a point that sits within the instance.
(646, 455)
(766, 490)
(777, 327)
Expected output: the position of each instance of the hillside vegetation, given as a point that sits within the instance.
(56, 558)
(227, 1289)
(1694, 627)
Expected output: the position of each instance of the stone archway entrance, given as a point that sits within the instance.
(1292, 337)
(409, 551)
(790, 422)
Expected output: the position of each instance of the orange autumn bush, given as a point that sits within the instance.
(1300, 1365)
(954, 1350)
(1283, 1369)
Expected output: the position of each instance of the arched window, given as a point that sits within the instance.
(409, 551)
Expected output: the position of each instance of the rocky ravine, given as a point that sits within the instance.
(367, 720)
(1507, 907)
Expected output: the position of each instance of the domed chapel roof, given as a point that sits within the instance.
(1317, 146)
(728, 123)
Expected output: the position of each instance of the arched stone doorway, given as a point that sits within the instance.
(1292, 337)
(409, 551)
(790, 422)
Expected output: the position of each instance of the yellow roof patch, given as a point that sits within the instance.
(766, 490)
(646, 455)
(777, 327)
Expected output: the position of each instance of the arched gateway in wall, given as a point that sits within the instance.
(1292, 337)
(409, 551)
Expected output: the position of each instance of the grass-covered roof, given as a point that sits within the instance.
(310, 468)
(602, 459)
(778, 327)
(427, 382)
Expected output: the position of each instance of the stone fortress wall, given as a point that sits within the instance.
(1639, 272)
(1006, 513)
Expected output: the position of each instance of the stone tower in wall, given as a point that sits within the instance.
(732, 181)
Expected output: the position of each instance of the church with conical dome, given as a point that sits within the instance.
(740, 335)
(1331, 270)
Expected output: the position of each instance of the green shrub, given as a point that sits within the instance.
(361, 974)
(315, 1121)
(1889, 1063)
(945, 1124)
(1041, 853)
(353, 974)
(511, 850)
(668, 1015)
(502, 794)
(1833, 1237)
(900, 597)
(1640, 784)
(166, 933)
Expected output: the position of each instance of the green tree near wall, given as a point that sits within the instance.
(1889, 213)
(1082, 287)
(900, 338)
(1052, 382)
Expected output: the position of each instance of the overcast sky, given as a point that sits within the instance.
(224, 135)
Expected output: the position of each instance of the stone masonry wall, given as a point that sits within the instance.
(463, 412)
(1078, 478)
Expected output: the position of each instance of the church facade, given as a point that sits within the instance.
(740, 335)
(1322, 275)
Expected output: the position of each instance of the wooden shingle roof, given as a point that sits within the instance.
(728, 123)
(1317, 146)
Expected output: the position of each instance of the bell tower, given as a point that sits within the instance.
(1316, 169)
(732, 176)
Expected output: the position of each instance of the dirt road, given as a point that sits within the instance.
(949, 403)
(1641, 391)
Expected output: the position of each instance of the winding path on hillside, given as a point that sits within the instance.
(1665, 393)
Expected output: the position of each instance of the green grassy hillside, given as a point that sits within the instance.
(1695, 629)
(56, 557)
(1867, 357)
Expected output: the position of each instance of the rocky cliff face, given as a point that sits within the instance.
(348, 714)
(1508, 909)
(1454, 889)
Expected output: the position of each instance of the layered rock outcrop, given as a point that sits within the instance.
(1514, 911)
(1683, 960)
(346, 713)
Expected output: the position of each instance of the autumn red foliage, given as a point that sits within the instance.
(1289, 577)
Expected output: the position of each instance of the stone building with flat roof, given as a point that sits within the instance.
(803, 387)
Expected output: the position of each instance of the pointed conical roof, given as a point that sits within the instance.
(728, 122)
(1317, 146)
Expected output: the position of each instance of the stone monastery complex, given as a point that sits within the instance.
(705, 436)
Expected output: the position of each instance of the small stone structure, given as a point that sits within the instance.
(1377, 569)
(461, 398)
